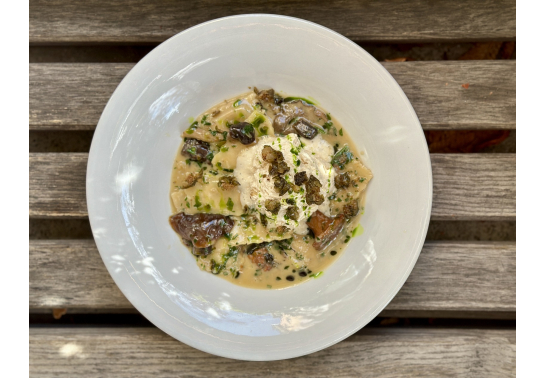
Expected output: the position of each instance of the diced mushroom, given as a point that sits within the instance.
(300, 178)
(297, 116)
(260, 256)
(282, 230)
(351, 209)
(228, 182)
(273, 205)
(270, 155)
(342, 181)
(279, 167)
(342, 158)
(201, 229)
(242, 131)
(281, 185)
(276, 159)
(197, 251)
(302, 109)
(266, 95)
(313, 195)
(304, 129)
(191, 179)
(292, 213)
(263, 219)
(325, 228)
(281, 124)
(197, 150)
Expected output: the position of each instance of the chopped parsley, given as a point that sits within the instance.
(230, 204)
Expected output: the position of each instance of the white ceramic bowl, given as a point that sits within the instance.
(131, 161)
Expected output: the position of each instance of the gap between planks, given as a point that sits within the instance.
(448, 278)
(73, 96)
(373, 352)
(465, 186)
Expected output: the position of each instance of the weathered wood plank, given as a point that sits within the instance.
(72, 96)
(392, 20)
(57, 184)
(466, 186)
(449, 277)
(474, 186)
(375, 352)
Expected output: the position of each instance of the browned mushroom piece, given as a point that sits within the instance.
(305, 129)
(270, 155)
(298, 117)
(281, 185)
(276, 159)
(282, 125)
(266, 95)
(282, 230)
(300, 178)
(201, 229)
(197, 251)
(312, 195)
(273, 205)
(197, 150)
(201, 251)
(259, 255)
(325, 228)
(292, 213)
(342, 158)
(243, 132)
(278, 167)
(342, 181)
(263, 219)
(191, 179)
(351, 209)
(228, 182)
(299, 108)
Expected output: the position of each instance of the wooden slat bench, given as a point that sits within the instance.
(138, 21)
(449, 277)
(465, 186)
(72, 96)
(452, 279)
(147, 352)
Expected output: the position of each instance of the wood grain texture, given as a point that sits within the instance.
(449, 277)
(388, 352)
(474, 186)
(392, 20)
(72, 96)
(57, 184)
(465, 186)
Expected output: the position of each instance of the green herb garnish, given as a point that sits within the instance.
(288, 99)
(230, 204)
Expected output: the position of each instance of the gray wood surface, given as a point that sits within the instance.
(72, 96)
(449, 277)
(154, 21)
(374, 352)
(57, 184)
(465, 186)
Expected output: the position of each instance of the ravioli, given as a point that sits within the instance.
(270, 188)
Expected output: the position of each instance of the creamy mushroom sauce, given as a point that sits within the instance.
(242, 209)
